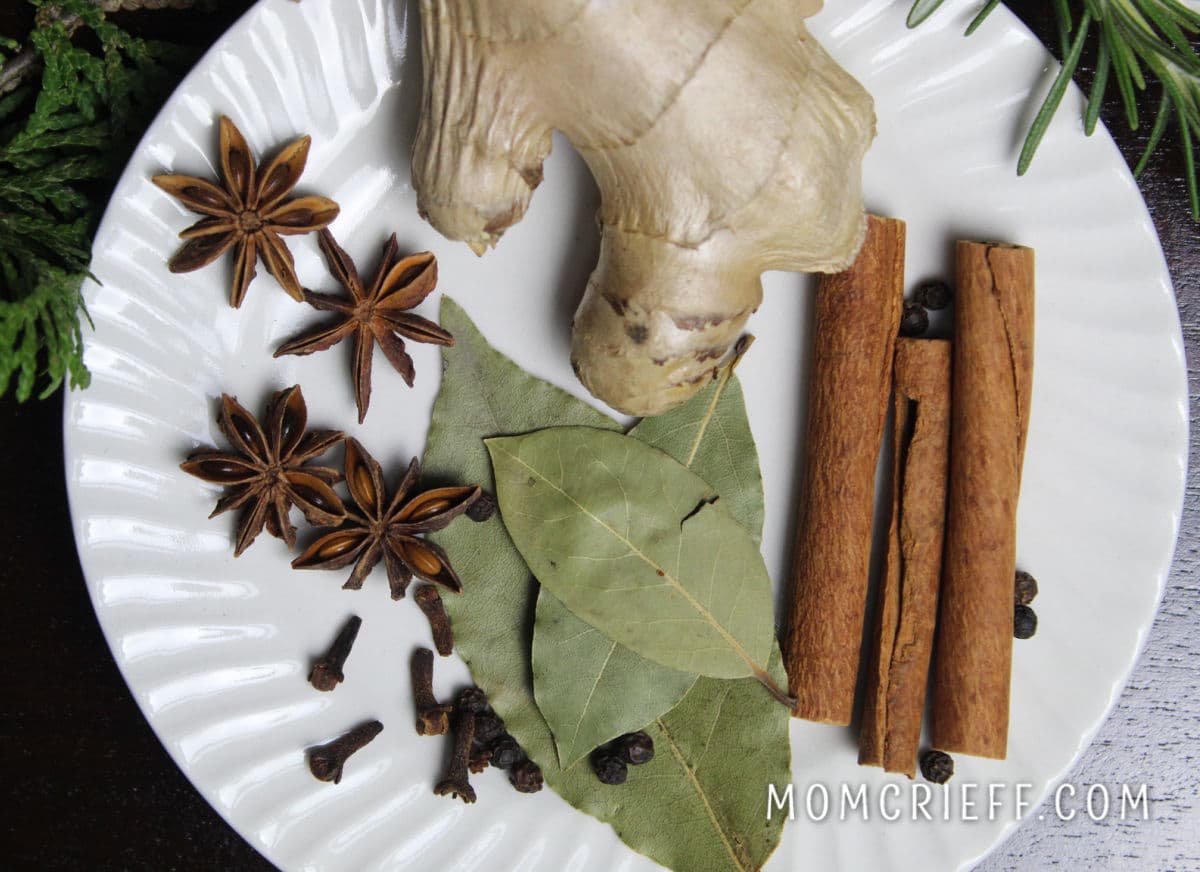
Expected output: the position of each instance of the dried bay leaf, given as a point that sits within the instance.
(638, 546)
(589, 688)
(710, 435)
(701, 804)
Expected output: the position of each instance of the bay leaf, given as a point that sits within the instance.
(710, 435)
(638, 546)
(589, 688)
(701, 804)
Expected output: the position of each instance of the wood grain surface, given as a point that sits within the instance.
(89, 786)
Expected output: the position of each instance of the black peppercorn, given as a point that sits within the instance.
(937, 766)
(526, 777)
(1024, 588)
(609, 768)
(915, 320)
(1024, 622)
(472, 700)
(482, 509)
(488, 726)
(635, 748)
(506, 753)
(933, 295)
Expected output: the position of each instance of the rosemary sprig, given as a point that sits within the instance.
(1139, 41)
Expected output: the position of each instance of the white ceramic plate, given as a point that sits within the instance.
(215, 649)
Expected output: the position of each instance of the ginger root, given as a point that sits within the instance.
(724, 140)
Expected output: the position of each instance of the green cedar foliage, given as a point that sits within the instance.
(64, 136)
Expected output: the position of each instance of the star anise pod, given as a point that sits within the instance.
(265, 472)
(389, 530)
(374, 313)
(248, 214)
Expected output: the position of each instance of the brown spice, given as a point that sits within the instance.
(326, 761)
(906, 611)
(433, 717)
(855, 329)
(248, 213)
(993, 375)
(526, 777)
(389, 530)
(430, 602)
(374, 313)
(265, 473)
(457, 780)
(326, 673)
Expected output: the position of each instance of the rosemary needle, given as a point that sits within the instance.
(1139, 41)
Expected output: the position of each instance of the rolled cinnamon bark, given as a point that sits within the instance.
(992, 384)
(906, 612)
(854, 334)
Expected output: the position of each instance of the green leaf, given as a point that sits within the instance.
(701, 804)
(635, 544)
(64, 136)
(710, 435)
(589, 688)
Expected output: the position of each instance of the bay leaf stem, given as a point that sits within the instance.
(775, 690)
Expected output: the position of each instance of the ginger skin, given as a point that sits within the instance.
(724, 140)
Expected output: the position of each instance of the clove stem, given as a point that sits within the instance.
(326, 673)
(430, 602)
(326, 761)
(457, 781)
(433, 718)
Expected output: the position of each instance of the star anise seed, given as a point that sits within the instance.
(389, 530)
(264, 473)
(249, 214)
(373, 314)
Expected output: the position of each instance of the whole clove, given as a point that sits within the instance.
(433, 718)
(483, 508)
(526, 777)
(326, 673)
(481, 756)
(457, 782)
(326, 761)
(430, 602)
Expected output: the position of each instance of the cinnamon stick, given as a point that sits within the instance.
(992, 384)
(902, 638)
(854, 333)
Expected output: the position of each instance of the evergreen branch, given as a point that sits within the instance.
(70, 111)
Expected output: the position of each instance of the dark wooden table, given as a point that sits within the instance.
(90, 787)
